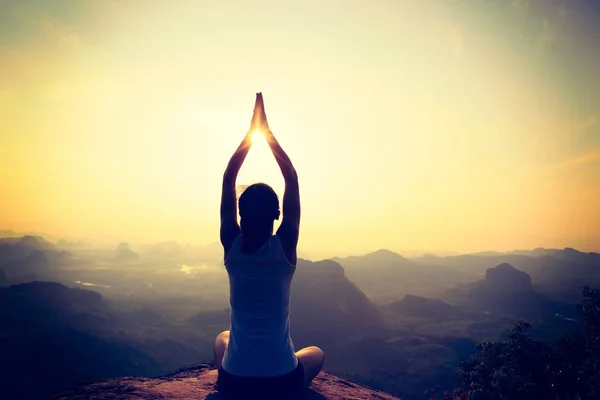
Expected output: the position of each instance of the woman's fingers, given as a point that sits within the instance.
(263, 116)
(256, 115)
(259, 118)
(259, 101)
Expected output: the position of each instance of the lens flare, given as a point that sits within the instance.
(258, 136)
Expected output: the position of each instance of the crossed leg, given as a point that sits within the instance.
(312, 358)
(221, 343)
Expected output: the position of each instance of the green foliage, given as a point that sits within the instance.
(522, 368)
(578, 354)
(515, 369)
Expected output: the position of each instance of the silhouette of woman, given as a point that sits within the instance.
(257, 354)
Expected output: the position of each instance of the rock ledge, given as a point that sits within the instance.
(198, 383)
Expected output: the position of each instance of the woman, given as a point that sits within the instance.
(257, 354)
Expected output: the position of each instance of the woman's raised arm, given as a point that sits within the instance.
(229, 224)
(289, 229)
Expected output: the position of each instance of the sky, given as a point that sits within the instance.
(421, 125)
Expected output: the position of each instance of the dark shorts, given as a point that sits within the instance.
(280, 387)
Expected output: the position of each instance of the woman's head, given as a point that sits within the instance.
(259, 207)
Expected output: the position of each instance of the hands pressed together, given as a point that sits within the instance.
(289, 228)
(260, 124)
(259, 118)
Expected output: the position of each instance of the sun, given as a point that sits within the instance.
(260, 165)
(257, 136)
(260, 146)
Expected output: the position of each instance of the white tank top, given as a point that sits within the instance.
(259, 284)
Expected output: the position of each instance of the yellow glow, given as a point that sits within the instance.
(425, 125)
(257, 136)
(260, 165)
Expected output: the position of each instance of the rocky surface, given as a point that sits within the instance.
(199, 383)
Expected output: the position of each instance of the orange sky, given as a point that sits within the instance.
(414, 125)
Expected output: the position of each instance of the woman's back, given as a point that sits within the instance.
(260, 342)
(257, 354)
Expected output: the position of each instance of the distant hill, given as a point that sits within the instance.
(567, 253)
(506, 290)
(325, 306)
(385, 276)
(417, 306)
(29, 258)
(125, 254)
(32, 267)
(381, 257)
(166, 249)
(20, 247)
(505, 280)
(45, 348)
(72, 245)
(561, 273)
(8, 233)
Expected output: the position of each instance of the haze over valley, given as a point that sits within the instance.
(75, 312)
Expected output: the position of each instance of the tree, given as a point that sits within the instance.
(516, 369)
(523, 368)
(578, 354)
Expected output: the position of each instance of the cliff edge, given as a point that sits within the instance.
(199, 383)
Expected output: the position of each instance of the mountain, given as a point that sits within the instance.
(417, 306)
(563, 273)
(560, 273)
(29, 258)
(72, 245)
(504, 290)
(47, 346)
(199, 383)
(125, 254)
(505, 280)
(478, 262)
(567, 253)
(166, 250)
(325, 307)
(34, 266)
(36, 242)
(65, 329)
(59, 298)
(385, 276)
(473, 264)
(21, 247)
(380, 257)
